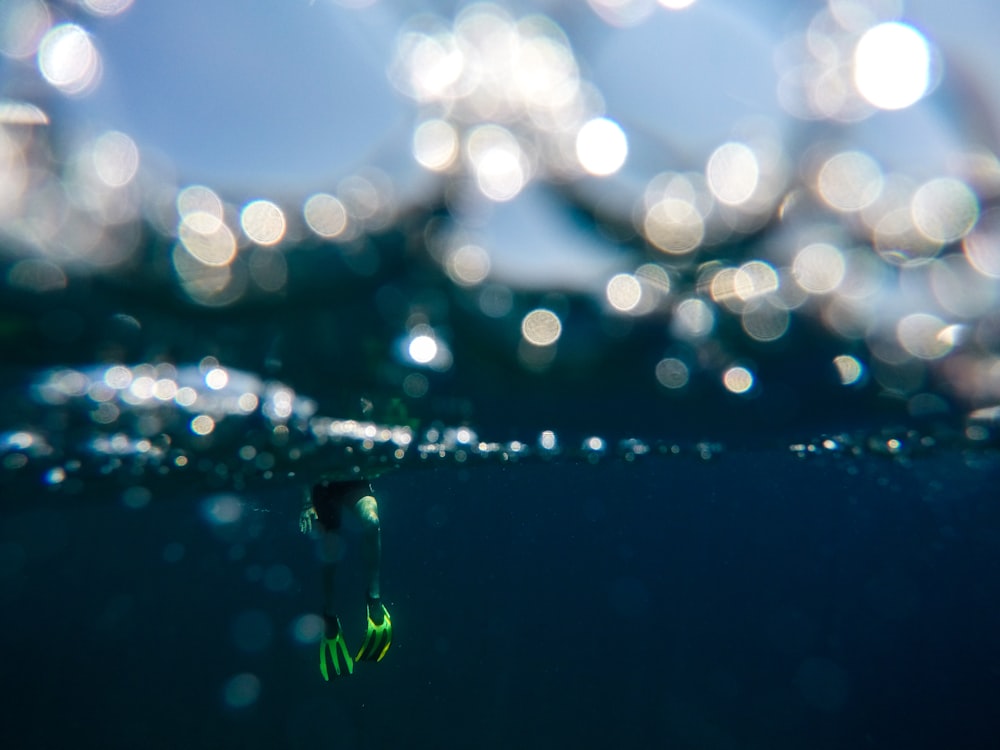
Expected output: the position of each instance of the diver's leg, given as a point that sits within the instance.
(378, 638)
(371, 544)
(329, 554)
(332, 647)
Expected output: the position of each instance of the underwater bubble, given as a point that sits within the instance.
(136, 497)
(307, 629)
(415, 385)
(222, 509)
(241, 691)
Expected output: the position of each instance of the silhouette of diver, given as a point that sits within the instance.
(326, 503)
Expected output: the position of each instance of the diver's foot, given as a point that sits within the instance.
(375, 610)
(333, 649)
(331, 626)
(378, 638)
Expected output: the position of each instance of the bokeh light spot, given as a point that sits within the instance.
(601, 146)
(944, 209)
(849, 181)
(203, 201)
(849, 369)
(674, 225)
(22, 26)
(222, 510)
(263, 222)
(207, 239)
(982, 245)
(672, 373)
(693, 319)
(732, 173)
(202, 425)
(541, 327)
(468, 265)
(116, 159)
(755, 279)
(738, 380)
(892, 65)
(107, 7)
(819, 268)
(307, 629)
(241, 691)
(496, 157)
(624, 292)
(765, 321)
(924, 336)
(325, 215)
(423, 349)
(216, 378)
(435, 145)
(68, 59)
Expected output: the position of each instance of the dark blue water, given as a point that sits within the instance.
(754, 600)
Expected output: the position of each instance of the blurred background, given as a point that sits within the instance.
(685, 190)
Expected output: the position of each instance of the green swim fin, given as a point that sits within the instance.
(379, 635)
(338, 652)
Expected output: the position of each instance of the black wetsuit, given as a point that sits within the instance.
(330, 496)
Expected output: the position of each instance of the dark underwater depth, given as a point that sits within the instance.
(753, 600)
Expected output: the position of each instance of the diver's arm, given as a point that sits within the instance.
(307, 515)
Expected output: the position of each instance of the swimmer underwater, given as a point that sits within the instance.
(326, 503)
